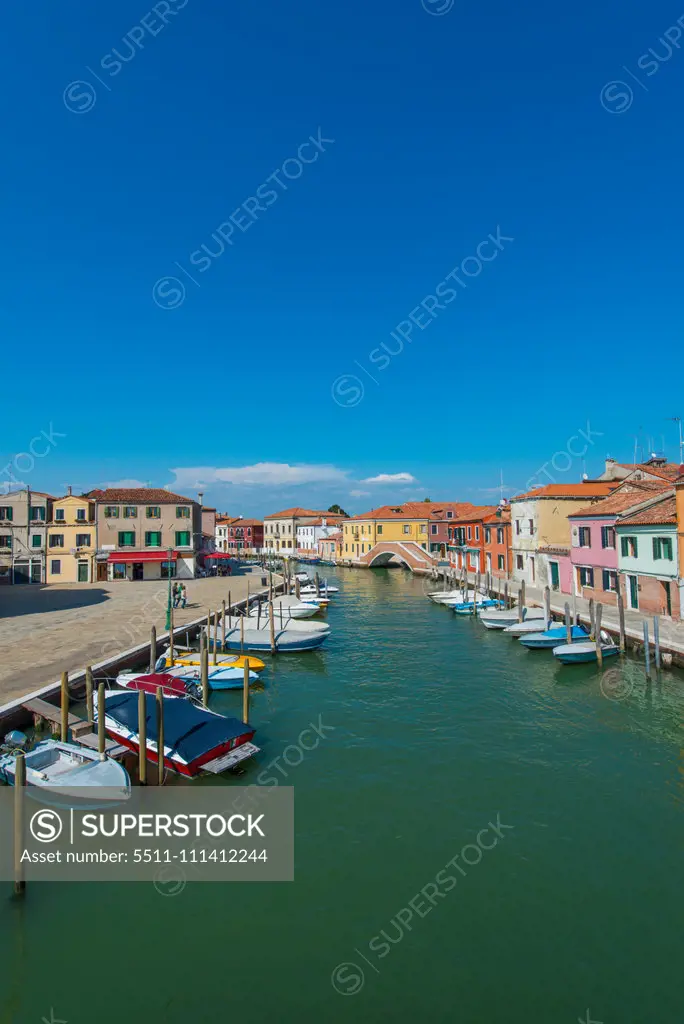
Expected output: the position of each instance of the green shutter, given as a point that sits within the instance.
(656, 549)
(624, 547)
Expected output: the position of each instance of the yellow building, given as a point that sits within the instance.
(71, 541)
(387, 523)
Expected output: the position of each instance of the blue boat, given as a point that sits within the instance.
(218, 678)
(554, 637)
(285, 640)
(466, 607)
(574, 654)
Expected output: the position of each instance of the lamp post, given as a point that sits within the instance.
(168, 603)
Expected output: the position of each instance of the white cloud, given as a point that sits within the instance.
(359, 494)
(126, 483)
(390, 478)
(261, 474)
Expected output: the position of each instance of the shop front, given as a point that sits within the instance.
(143, 565)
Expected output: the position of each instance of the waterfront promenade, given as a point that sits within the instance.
(47, 630)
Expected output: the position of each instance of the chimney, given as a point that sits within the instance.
(200, 495)
(69, 490)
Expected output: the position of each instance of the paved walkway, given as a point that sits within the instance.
(47, 630)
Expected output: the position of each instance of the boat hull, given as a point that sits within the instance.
(580, 653)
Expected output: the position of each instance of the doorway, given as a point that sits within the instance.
(138, 570)
(83, 572)
(668, 599)
(533, 574)
(555, 576)
(101, 572)
(633, 591)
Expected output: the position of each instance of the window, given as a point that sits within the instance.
(499, 535)
(153, 539)
(470, 532)
(518, 561)
(662, 548)
(450, 515)
(36, 541)
(6, 512)
(517, 527)
(119, 571)
(111, 511)
(407, 529)
(37, 512)
(130, 512)
(477, 533)
(629, 547)
(488, 535)
(5, 540)
(433, 528)
(182, 538)
(55, 566)
(56, 540)
(584, 537)
(607, 537)
(153, 512)
(126, 539)
(500, 562)
(183, 512)
(423, 527)
(531, 522)
(363, 549)
(609, 580)
(59, 515)
(586, 576)
(80, 515)
(82, 540)
(379, 529)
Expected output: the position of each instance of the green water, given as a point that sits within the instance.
(435, 726)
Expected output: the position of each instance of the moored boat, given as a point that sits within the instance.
(554, 637)
(172, 685)
(68, 775)
(500, 618)
(285, 640)
(579, 653)
(223, 660)
(527, 626)
(196, 740)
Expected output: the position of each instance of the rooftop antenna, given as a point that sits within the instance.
(678, 420)
(502, 484)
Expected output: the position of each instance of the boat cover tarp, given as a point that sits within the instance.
(189, 730)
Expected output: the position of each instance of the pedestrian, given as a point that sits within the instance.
(175, 590)
(183, 595)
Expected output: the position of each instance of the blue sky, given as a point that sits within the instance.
(134, 133)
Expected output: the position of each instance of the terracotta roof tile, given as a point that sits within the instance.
(292, 513)
(137, 496)
(477, 512)
(583, 489)
(416, 510)
(661, 514)
(670, 471)
(614, 504)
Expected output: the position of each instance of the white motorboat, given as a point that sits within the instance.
(324, 587)
(527, 626)
(65, 774)
(502, 617)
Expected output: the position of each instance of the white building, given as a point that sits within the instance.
(309, 535)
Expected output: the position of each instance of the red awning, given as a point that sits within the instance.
(219, 554)
(141, 556)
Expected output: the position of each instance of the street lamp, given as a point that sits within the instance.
(168, 603)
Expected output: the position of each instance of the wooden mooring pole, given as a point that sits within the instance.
(547, 605)
(223, 626)
(215, 638)
(656, 642)
(597, 622)
(204, 671)
(521, 602)
(153, 648)
(160, 736)
(647, 649)
(64, 708)
(19, 796)
(568, 624)
(592, 620)
(142, 737)
(271, 626)
(171, 640)
(245, 692)
(90, 710)
(621, 618)
(101, 711)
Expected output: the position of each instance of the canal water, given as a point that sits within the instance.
(482, 835)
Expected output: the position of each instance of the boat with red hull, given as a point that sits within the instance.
(196, 740)
(172, 686)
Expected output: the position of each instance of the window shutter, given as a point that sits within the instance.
(624, 547)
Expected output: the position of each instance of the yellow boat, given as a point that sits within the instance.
(227, 660)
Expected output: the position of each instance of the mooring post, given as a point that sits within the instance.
(245, 692)
(230, 612)
(209, 628)
(101, 712)
(575, 620)
(19, 787)
(568, 624)
(153, 648)
(521, 602)
(142, 737)
(171, 638)
(621, 617)
(90, 711)
(223, 625)
(592, 620)
(259, 615)
(647, 648)
(597, 624)
(160, 736)
(298, 589)
(216, 615)
(318, 585)
(656, 641)
(204, 669)
(64, 708)
(505, 597)
(242, 634)
(247, 602)
(547, 605)
(271, 627)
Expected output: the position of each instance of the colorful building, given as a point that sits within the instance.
(540, 527)
(497, 542)
(147, 533)
(72, 542)
(245, 536)
(467, 542)
(656, 468)
(441, 518)
(592, 568)
(309, 535)
(330, 547)
(280, 529)
(23, 517)
(388, 523)
(648, 557)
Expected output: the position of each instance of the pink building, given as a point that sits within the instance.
(593, 551)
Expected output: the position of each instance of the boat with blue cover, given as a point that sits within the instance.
(554, 637)
(466, 607)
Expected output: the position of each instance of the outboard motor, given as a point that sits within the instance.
(16, 739)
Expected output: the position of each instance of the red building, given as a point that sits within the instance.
(239, 536)
(497, 542)
(442, 517)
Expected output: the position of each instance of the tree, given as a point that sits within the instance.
(427, 499)
(337, 510)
